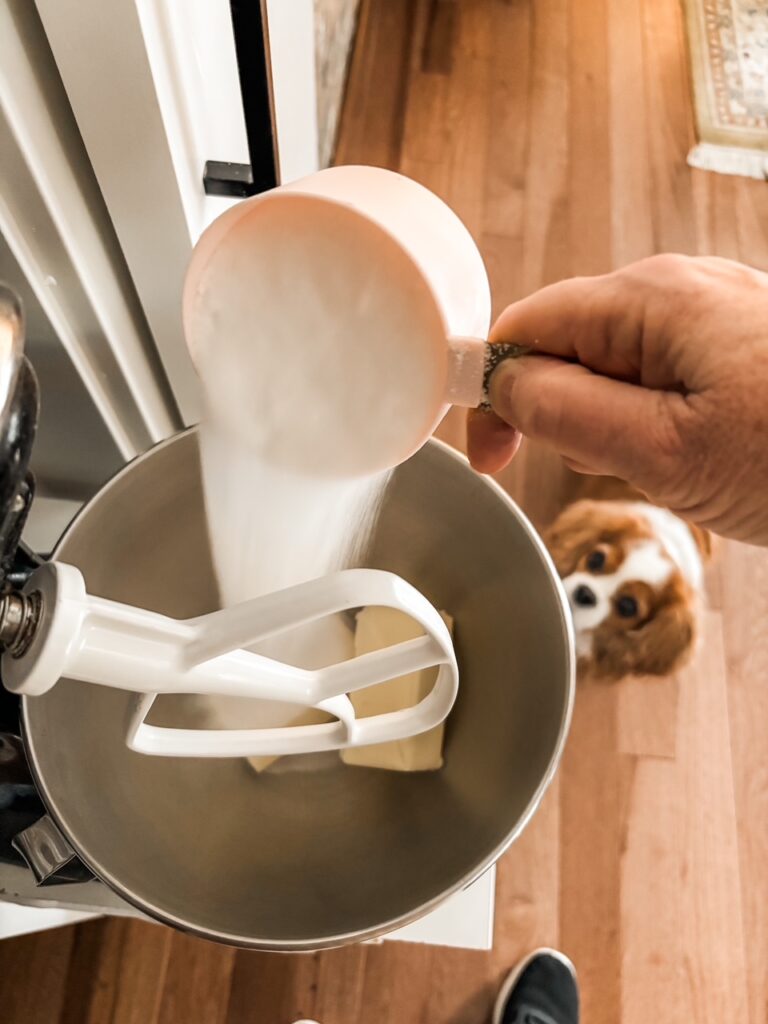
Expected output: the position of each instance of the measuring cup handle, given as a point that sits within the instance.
(466, 370)
(471, 361)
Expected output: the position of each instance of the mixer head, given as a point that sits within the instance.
(19, 406)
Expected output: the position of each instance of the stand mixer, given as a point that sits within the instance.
(294, 860)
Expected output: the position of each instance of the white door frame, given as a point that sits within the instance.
(154, 89)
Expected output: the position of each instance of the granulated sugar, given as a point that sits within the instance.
(271, 528)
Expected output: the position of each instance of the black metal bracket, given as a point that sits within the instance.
(220, 178)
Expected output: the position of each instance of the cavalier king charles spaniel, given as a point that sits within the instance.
(633, 574)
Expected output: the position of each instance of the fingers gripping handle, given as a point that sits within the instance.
(107, 643)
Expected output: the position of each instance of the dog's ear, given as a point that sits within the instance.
(572, 534)
(661, 646)
(703, 540)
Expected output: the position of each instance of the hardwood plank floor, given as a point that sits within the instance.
(558, 129)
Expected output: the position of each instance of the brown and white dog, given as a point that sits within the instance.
(633, 574)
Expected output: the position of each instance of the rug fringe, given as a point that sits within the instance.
(748, 163)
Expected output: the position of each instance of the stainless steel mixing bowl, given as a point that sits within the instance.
(305, 860)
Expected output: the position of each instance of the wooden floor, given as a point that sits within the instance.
(558, 130)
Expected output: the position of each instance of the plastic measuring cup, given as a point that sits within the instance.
(352, 303)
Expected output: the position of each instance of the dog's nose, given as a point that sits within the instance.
(584, 596)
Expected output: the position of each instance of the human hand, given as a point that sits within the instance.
(657, 374)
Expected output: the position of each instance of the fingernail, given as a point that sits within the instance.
(491, 442)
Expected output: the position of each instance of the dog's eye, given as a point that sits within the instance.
(626, 607)
(596, 560)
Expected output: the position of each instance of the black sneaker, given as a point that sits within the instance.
(542, 989)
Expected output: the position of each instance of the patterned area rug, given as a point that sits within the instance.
(728, 42)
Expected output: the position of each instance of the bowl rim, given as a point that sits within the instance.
(360, 935)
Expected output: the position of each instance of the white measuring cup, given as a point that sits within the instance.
(378, 300)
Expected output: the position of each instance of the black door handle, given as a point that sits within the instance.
(222, 178)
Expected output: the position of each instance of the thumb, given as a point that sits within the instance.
(612, 427)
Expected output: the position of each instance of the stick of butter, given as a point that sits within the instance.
(310, 716)
(311, 646)
(377, 628)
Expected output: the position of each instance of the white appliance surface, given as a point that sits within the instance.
(465, 920)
